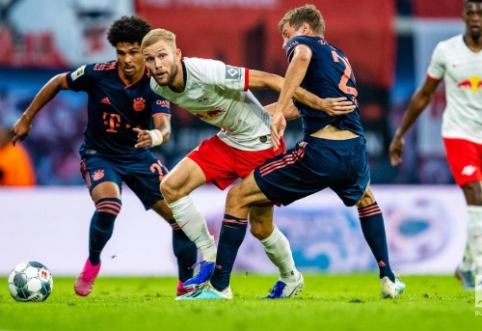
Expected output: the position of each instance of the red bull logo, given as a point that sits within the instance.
(474, 84)
(215, 112)
(211, 114)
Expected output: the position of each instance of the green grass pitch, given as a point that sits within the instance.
(328, 302)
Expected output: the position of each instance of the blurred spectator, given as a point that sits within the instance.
(15, 165)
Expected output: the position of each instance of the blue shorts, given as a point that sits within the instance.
(141, 173)
(313, 165)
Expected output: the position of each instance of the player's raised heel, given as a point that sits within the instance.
(282, 290)
(83, 284)
(206, 269)
(391, 289)
(207, 292)
(181, 290)
(466, 278)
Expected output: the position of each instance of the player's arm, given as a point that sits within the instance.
(331, 106)
(22, 127)
(289, 113)
(294, 76)
(160, 134)
(420, 100)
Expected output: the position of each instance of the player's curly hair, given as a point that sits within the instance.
(128, 29)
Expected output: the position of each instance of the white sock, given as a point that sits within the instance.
(474, 229)
(192, 222)
(278, 250)
(466, 264)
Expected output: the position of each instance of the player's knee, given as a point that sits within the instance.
(367, 198)
(473, 193)
(261, 230)
(167, 189)
(233, 198)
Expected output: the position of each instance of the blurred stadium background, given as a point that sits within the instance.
(388, 42)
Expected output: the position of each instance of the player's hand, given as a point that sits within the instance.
(278, 126)
(143, 138)
(336, 106)
(21, 129)
(396, 150)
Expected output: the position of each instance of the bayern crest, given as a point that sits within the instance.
(139, 104)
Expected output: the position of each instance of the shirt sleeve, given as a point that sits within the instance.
(220, 75)
(159, 105)
(81, 78)
(291, 45)
(436, 68)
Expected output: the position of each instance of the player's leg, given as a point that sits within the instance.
(473, 195)
(143, 176)
(104, 185)
(186, 176)
(232, 234)
(349, 175)
(184, 249)
(278, 250)
(217, 161)
(373, 228)
(241, 197)
(233, 229)
(246, 198)
(465, 163)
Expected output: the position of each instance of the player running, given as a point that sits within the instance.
(332, 153)
(121, 107)
(218, 94)
(458, 61)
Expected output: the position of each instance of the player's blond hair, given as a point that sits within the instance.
(306, 14)
(155, 35)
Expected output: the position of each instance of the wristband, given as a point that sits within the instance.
(156, 137)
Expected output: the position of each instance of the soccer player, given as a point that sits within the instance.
(121, 108)
(218, 94)
(458, 61)
(332, 153)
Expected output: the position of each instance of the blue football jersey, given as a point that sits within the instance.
(329, 75)
(115, 108)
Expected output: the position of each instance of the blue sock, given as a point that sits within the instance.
(232, 235)
(373, 228)
(185, 251)
(102, 226)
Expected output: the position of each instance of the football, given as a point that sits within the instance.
(30, 281)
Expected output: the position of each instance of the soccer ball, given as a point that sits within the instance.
(30, 281)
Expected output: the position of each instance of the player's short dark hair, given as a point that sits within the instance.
(467, 1)
(128, 30)
(305, 14)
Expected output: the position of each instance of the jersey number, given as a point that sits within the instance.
(158, 167)
(346, 75)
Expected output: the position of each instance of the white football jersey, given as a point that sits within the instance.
(461, 70)
(218, 94)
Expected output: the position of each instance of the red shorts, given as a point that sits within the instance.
(465, 160)
(223, 165)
